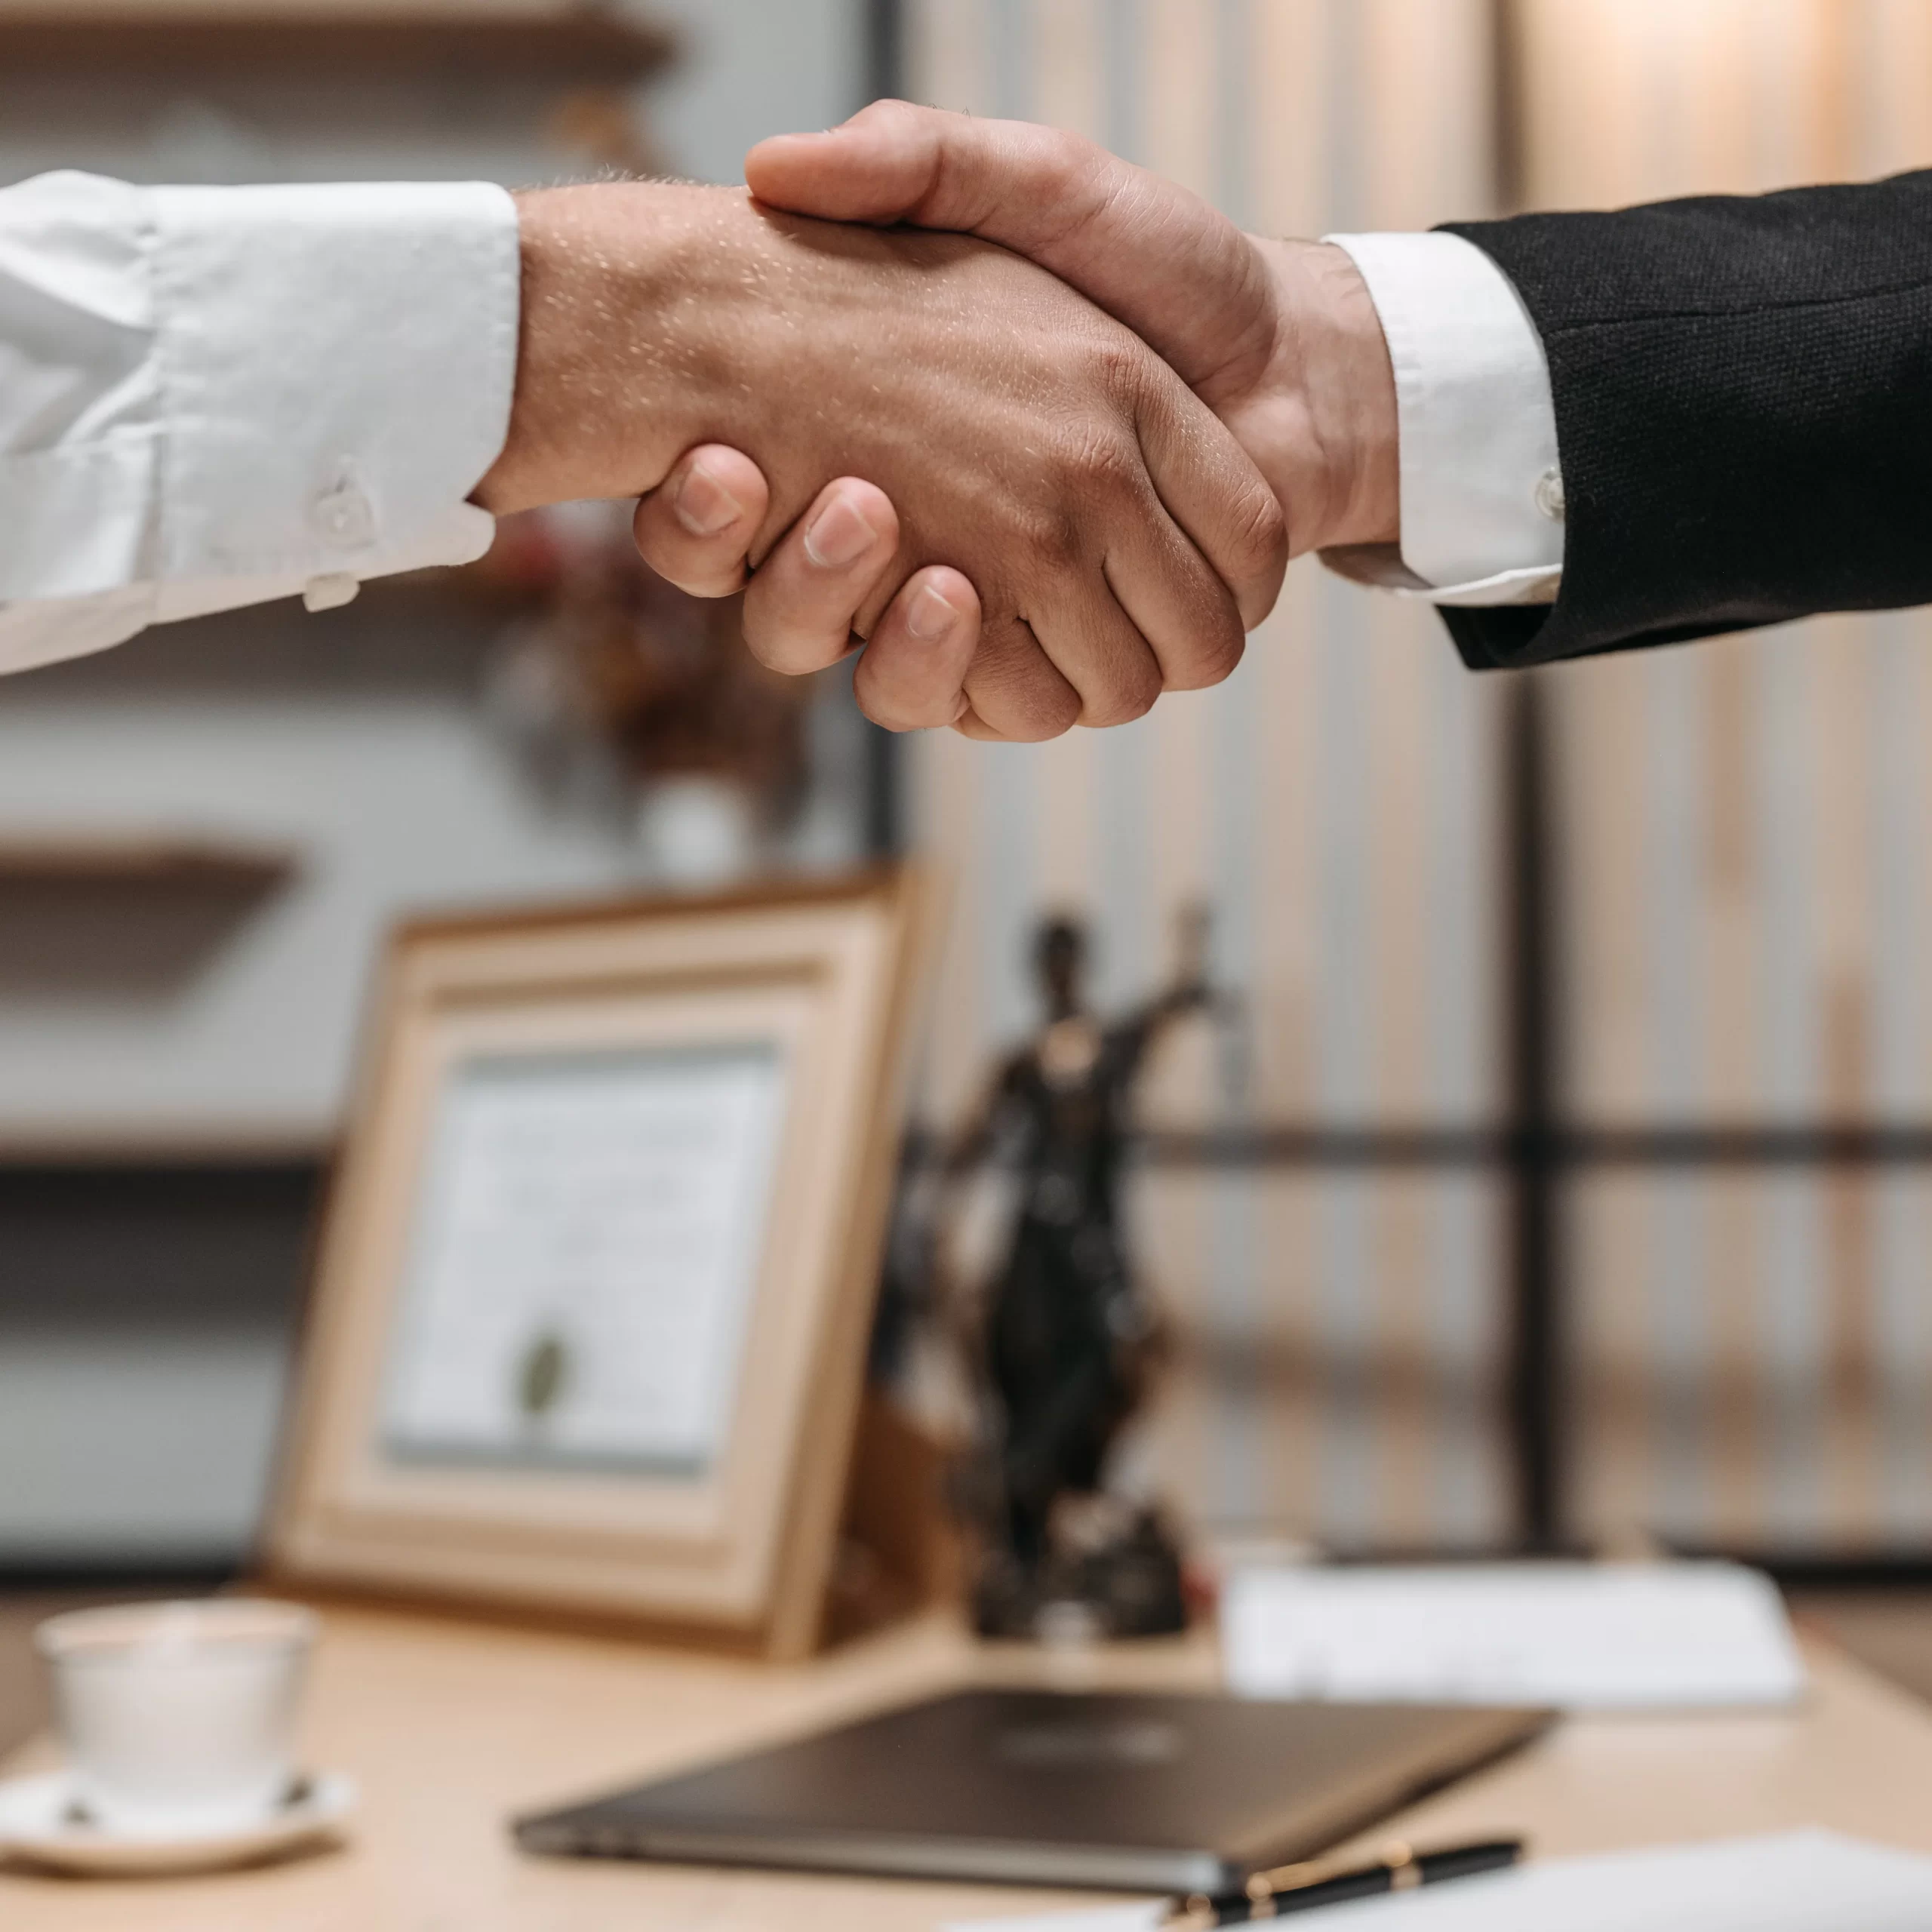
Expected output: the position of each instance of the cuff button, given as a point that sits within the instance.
(1549, 493)
(340, 513)
(331, 592)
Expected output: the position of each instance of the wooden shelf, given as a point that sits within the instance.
(544, 46)
(159, 1143)
(141, 858)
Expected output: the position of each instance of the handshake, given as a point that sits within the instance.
(1039, 428)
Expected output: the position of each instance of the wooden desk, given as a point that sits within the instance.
(451, 1727)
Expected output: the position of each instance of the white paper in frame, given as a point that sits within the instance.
(589, 1316)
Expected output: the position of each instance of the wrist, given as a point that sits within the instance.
(593, 413)
(1324, 428)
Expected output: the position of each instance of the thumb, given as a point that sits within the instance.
(880, 166)
(1151, 253)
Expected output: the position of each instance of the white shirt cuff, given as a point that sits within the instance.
(214, 396)
(1381, 567)
(1482, 488)
(336, 368)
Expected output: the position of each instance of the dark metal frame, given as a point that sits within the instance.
(885, 827)
(1533, 1396)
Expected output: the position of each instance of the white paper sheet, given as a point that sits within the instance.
(1797, 1881)
(1581, 1636)
(587, 1245)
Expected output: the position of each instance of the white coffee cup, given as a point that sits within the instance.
(178, 1717)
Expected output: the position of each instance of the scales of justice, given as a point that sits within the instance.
(1063, 1345)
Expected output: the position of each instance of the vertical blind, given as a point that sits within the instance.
(1746, 884)
(1744, 877)
(1337, 1330)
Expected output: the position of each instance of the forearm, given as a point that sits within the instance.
(1742, 393)
(614, 356)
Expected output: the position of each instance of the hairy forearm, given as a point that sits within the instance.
(581, 424)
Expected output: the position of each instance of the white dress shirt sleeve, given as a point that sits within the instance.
(1482, 488)
(215, 396)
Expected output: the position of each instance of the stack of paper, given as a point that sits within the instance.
(1581, 1636)
(1803, 1881)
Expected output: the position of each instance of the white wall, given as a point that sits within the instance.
(397, 793)
(751, 67)
(129, 1432)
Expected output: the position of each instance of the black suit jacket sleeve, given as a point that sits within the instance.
(1743, 395)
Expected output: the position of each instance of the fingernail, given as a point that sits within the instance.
(838, 536)
(703, 505)
(929, 616)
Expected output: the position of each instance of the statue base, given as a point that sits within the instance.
(1129, 1586)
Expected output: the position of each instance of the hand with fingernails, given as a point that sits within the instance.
(802, 608)
(1279, 339)
(1051, 528)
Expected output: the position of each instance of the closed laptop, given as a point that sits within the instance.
(1126, 1792)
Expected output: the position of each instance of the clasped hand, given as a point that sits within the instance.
(1075, 422)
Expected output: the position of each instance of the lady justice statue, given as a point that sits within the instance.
(1066, 1344)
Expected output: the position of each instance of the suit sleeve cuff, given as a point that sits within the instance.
(337, 365)
(1482, 488)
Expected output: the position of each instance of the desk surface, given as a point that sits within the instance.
(450, 1726)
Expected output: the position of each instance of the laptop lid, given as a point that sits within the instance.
(1123, 1792)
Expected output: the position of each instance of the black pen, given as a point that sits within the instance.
(1302, 1887)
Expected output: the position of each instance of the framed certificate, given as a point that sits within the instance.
(591, 1308)
(587, 1241)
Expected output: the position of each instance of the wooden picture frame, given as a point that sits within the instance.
(667, 1129)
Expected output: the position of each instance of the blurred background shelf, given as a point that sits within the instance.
(545, 45)
(140, 857)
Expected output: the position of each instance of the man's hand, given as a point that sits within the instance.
(1011, 438)
(1280, 338)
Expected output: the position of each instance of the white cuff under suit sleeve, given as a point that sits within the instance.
(1481, 488)
(215, 396)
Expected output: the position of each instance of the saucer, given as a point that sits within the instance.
(41, 1823)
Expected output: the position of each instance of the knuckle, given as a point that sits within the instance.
(1015, 690)
(1080, 155)
(1143, 685)
(1099, 463)
(1213, 663)
(1113, 465)
(1049, 722)
(1066, 167)
(1041, 709)
(1259, 530)
(1130, 695)
(887, 114)
(1216, 646)
(1056, 709)
(1051, 535)
(1117, 364)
